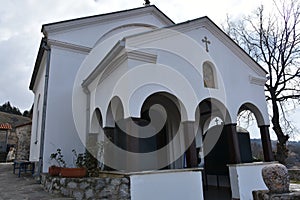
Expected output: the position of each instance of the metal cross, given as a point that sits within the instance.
(207, 42)
(217, 121)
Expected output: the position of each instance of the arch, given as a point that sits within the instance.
(96, 122)
(211, 107)
(123, 28)
(166, 128)
(144, 92)
(179, 105)
(254, 109)
(37, 120)
(115, 112)
(209, 75)
(165, 99)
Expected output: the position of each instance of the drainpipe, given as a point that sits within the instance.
(40, 164)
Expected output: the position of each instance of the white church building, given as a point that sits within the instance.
(151, 91)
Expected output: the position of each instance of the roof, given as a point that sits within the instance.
(13, 120)
(26, 124)
(107, 16)
(5, 126)
(56, 26)
(37, 63)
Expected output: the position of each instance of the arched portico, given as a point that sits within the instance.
(263, 128)
(160, 128)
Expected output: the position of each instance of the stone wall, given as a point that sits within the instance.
(107, 188)
(266, 195)
(294, 174)
(23, 145)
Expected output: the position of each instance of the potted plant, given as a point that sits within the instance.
(79, 171)
(54, 170)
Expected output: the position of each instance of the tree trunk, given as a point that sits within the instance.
(282, 151)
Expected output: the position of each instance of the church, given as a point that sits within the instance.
(151, 95)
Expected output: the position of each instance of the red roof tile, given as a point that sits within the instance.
(5, 126)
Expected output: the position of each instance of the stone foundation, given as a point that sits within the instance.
(266, 195)
(108, 187)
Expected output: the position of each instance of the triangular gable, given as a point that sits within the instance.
(84, 21)
(210, 26)
(72, 24)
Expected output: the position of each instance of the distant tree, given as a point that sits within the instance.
(28, 113)
(6, 107)
(274, 42)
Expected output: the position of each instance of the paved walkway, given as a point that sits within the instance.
(25, 187)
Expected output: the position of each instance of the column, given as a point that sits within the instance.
(108, 154)
(233, 143)
(191, 152)
(266, 143)
(132, 143)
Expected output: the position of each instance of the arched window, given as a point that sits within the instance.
(209, 75)
(37, 121)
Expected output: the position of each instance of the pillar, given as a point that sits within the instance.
(233, 143)
(110, 134)
(266, 143)
(191, 152)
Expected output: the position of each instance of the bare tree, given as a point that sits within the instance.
(273, 40)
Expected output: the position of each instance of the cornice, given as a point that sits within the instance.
(110, 56)
(113, 60)
(257, 80)
(104, 18)
(69, 46)
(131, 55)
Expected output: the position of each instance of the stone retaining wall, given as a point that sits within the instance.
(294, 174)
(23, 144)
(266, 195)
(110, 187)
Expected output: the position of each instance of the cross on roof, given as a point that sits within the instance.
(207, 42)
(147, 3)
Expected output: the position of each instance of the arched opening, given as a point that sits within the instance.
(96, 122)
(95, 140)
(115, 112)
(212, 145)
(157, 108)
(37, 120)
(159, 123)
(251, 121)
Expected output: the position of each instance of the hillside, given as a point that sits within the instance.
(13, 119)
(293, 160)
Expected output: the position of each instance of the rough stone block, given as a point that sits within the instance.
(78, 195)
(276, 178)
(72, 185)
(89, 194)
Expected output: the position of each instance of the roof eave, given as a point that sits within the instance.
(66, 24)
(119, 46)
(38, 62)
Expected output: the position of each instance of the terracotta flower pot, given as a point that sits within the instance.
(54, 170)
(73, 172)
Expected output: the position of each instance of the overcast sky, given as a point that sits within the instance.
(21, 21)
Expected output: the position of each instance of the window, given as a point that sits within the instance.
(209, 75)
